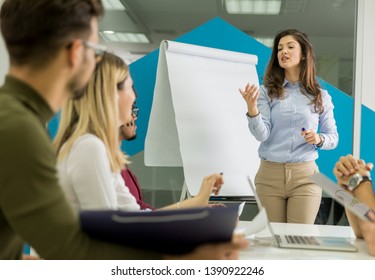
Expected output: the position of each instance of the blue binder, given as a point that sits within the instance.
(169, 231)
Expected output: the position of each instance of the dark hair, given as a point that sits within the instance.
(34, 31)
(274, 77)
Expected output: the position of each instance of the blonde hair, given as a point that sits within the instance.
(96, 112)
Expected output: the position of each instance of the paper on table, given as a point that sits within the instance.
(240, 208)
(257, 224)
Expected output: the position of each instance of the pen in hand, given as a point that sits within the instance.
(304, 129)
(216, 189)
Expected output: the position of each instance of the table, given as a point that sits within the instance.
(262, 247)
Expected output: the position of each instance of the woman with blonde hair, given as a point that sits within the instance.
(88, 143)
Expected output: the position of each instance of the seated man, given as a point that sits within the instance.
(45, 71)
(345, 168)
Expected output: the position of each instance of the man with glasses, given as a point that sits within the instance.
(53, 51)
(43, 73)
(128, 132)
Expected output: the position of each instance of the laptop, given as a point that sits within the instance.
(294, 241)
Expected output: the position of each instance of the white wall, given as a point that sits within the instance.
(4, 58)
(365, 59)
(368, 86)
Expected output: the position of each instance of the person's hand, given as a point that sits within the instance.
(215, 251)
(347, 166)
(368, 231)
(250, 95)
(211, 184)
(311, 137)
(216, 204)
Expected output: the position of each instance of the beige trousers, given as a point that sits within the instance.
(287, 193)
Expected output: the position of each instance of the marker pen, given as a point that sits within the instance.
(303, 129)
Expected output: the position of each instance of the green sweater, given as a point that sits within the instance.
(32, 205)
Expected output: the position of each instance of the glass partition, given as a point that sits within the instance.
(329, 24)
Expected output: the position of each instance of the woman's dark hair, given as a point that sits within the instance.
(274, 77)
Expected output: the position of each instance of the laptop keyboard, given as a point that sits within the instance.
(300, 239)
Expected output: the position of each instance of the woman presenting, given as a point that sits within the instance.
(285, 115)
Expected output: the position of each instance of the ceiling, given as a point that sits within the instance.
(329, 23)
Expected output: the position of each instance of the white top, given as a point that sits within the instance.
(87, 180)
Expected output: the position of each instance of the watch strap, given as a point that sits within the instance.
(322, 139)
(365, 179)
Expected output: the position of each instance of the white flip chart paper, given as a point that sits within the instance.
(198, 116)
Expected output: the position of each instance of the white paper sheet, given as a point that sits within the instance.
(258, 223)
(198, 116)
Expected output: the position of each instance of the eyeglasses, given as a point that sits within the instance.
(135, 110)
(99, 50)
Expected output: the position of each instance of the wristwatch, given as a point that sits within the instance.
(356, 179)
(322, 139)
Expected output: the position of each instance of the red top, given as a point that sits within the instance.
(132, 183)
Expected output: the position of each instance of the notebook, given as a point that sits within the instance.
(294, 241)
(164, 231)
(345, 198)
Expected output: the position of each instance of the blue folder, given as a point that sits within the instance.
(169, 231)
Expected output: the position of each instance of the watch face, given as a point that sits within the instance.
(354, 181)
